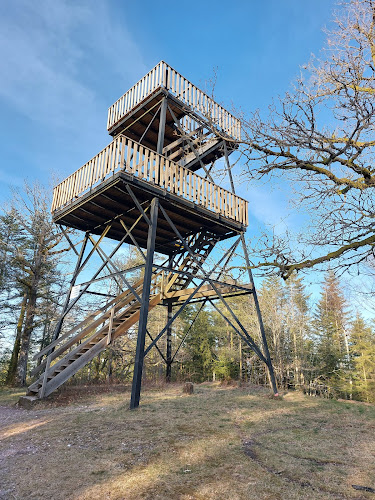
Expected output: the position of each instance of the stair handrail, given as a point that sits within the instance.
(117, 303)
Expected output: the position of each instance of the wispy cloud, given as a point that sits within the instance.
(55, 56)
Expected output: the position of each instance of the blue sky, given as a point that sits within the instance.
(63, 63)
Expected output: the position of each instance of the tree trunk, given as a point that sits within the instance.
(30, 314)
(11, 375)
(25, 339)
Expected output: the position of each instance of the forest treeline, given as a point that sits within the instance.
(327, 348)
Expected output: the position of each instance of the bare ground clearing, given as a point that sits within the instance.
(220, 443)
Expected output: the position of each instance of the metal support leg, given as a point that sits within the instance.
(169, 343)
(142, 325)
(256, 302)
(163, 115)
(260, 321)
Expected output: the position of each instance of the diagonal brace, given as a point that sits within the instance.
(191, 296)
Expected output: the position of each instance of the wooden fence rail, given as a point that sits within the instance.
(131, 157)
(163, 75)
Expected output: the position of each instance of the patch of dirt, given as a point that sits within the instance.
(69, 394)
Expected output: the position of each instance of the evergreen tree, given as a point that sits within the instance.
(199, 344)
(298, 327)
(363, 358)
(333, 363)
(31, 272)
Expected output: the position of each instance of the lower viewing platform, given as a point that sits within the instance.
(103, 191)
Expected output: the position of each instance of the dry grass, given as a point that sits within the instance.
(221, 443)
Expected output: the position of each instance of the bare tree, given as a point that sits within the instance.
(321, 137)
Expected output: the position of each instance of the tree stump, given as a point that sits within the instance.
(188, 388)
(28, 402)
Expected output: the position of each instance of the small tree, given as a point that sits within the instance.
(330, 328)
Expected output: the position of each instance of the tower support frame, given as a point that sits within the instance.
(153, 170)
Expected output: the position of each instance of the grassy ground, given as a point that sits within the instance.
(220, 443)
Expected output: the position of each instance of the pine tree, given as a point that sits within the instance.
(199, 344)
(31, 273)
(333, 364)
(298, 325)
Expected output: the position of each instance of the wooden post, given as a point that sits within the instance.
(163, 115)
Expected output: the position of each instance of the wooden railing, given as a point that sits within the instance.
(131, 157)
(163, 75)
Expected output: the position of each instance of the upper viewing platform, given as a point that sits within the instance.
(164, 129)
(187, 101)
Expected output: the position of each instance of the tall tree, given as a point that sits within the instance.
(298, 327)
(12, 295)
(273, 302)
(199, 344)
(35, 259)
(330, 329)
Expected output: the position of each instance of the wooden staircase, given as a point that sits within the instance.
(201, 245)
(90, 337)
(194, 149)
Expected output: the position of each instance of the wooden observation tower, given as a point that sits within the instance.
(143, 190)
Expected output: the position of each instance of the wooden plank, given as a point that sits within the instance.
(151, 168)
(161, 161)
(148, 165)
(167, 174)
(129, 145)
(135, 149)
(153, 79)
(107, 156)
(157, 168)
(146, 174)
(172, 77)
(140, 161)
